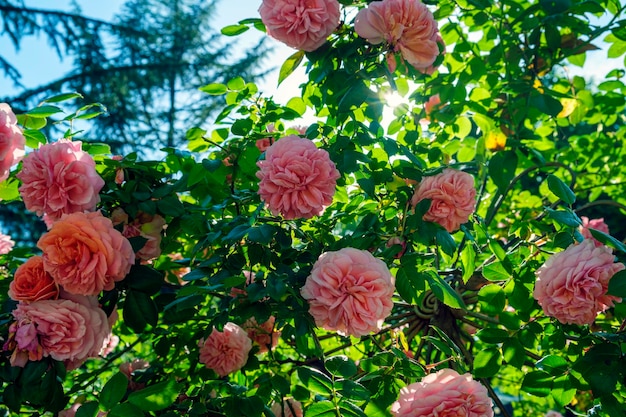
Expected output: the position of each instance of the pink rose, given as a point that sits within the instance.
(6, 244)
(349, 291)
(406, 25)
(443, 394)
(32, 283)
(66, 330)
(452, 196)
(11, 141)
(148, 226)
(301, 24)
(263, 144)
(227, 351)
(262, 334)
(288, 408)
(85, 254)
(571, 285)
(59, 178)
(129, 368)
(596, 224)
(297, 179)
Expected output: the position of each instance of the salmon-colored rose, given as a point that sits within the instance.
(596, 224)
(32, 283)
(444, 394)
(287, 408)
(452, 196)
(60, 178)
(227, 351)
(301, 24)
(11, 141)
(66, 330)
(349, 291)
(571, 285)
(6, 244)
(148, 226)
(297, 178)
(85, 254)
(406, 25)
(264, 334)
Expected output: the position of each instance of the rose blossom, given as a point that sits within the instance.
(32, 283)
(66, 330)
(287, 408)
(263, 144)
(444, 394)
(60, 178)
(11, 141)
(571, 285)
(85, 254)
(262, 334)
(227, 351)
(129, 368)
(349, 291)
(301, 24)
(452, 196)
(406, 25)
(297, 179)
(596, 224)
(6, 244)
(148, 226)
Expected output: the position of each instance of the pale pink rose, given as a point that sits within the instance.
(263, 144)
(444, 394)
(452, 196)
(11, 141)
(66, 330)
(85, 254)
(571, 285)
(60, 178)
(148, 226)
(32, 283)
(553, 413)
(596, 224)
(301, 24)
(349, 291)
(288, 408)
(227, 351)
(264, 335)
(6, 244)
(129, 369)
(297, 179)
(110, 343)
(406, 25)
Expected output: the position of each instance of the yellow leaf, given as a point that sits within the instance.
(569, 105)
(495, 140)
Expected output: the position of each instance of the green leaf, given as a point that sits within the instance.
(492, 299)
(410, 284)
(444, 292)
(88, 409)
(113, 391)
(34, 138)
(446, 242)
(297, 104)
(9, 190)
(289, 66)
(552, 364)
(62, 97)
(537, 383)
(145, 279)
(513, 352)
(321, 409)
(608, 240)
(492, 335)
(139, 311)
(214, 89)
(353, 390)
(316, 381)
(341, 365)
(156, 397)
(560, 189)
(171, 206)
(125, 410)
(617, 284)
(234, 30)
(566, 217)
(262, 234)
(44, 111)
(495, 271)
(487, 363)
(468, 261)
(502, 168)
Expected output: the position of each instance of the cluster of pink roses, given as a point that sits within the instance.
(406, 26)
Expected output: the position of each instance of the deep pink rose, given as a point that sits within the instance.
(571, 285)
(148, 226)
(452, 196)
(264, 334)
(85, 254)
(6, 244)
(444, 394)
(349, 291)
(66, 330)
(406, 25)
(596, 224)
(227, 351)
(32, 283)
(288, 408)
(301, 24)
(11, 141)
(59, 178)
(297, 179)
